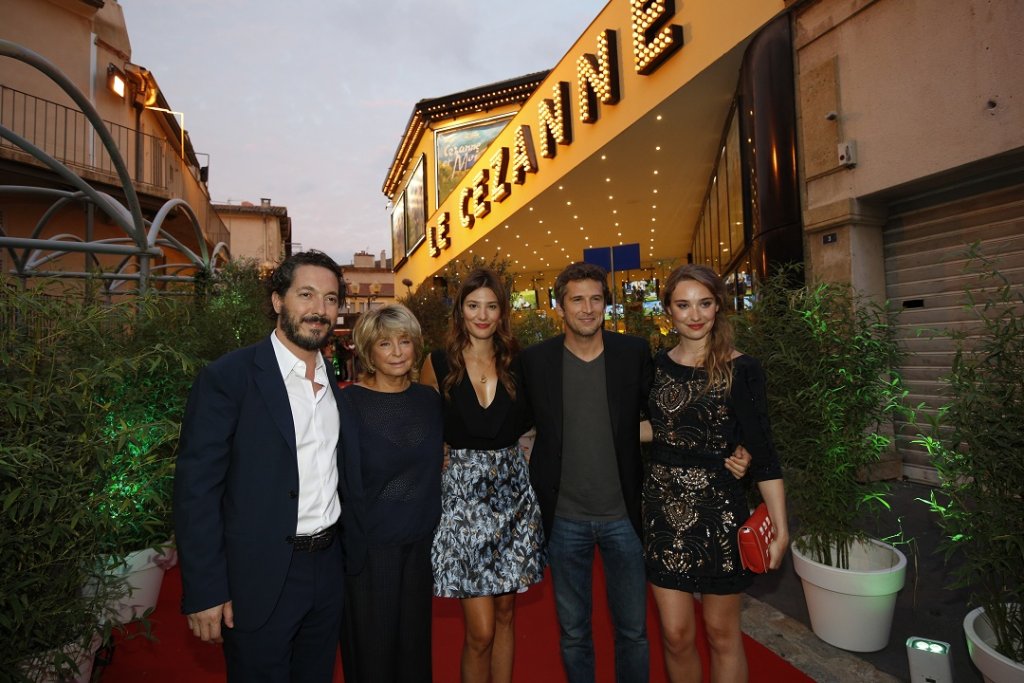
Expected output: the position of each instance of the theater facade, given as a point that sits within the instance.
(870, 140)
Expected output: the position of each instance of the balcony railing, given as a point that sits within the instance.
(66, 134)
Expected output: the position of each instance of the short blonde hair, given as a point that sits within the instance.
(387, 321)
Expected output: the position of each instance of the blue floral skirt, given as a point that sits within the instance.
(490, 539)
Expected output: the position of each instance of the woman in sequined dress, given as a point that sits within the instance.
(489, 543)
(706, 398)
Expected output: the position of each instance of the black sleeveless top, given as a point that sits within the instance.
(467, 424)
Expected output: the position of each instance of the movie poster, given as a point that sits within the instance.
(416, 208)
(398, 229)
(456, 149)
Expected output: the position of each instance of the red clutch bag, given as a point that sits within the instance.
(754, 536)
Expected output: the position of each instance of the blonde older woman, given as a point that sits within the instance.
(391, 432)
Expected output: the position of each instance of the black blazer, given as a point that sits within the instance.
(236, 485)
(629, 373)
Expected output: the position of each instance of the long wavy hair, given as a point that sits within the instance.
(718, 350)
(457, 339)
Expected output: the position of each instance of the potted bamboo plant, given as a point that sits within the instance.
(154, 350)
(830, 358)
(49, 530)
(977, 445)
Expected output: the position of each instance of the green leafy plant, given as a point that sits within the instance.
(530, 327)
(51, 528)
(644, 323)
(91, 400)
(976, 442)
(830, 357)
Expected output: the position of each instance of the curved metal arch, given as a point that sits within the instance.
(156, 227)
(33, 259)
(221, 249)
(129, 218)
(100, 199)
(23, 54)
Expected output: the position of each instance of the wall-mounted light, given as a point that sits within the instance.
(116, 81)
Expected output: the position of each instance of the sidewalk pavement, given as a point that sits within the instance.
(795, 643)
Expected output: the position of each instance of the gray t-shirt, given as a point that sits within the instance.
(590, 488)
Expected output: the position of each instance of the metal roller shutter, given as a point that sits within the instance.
(925, 255)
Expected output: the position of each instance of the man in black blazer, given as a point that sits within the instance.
(256, 499)
(587, 389)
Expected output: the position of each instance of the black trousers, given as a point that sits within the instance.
(298, 644)
(386, 628)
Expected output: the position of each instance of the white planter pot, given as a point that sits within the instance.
(852, 608)
(143, 574)
(981, 640)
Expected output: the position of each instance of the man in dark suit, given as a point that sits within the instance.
(256, 499)
(587, 389)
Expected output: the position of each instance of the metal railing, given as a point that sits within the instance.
(65, 134)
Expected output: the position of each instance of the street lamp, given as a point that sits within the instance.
(182, 122)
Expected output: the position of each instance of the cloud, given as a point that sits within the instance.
(305, 102)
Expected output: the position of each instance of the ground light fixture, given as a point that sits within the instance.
(929, 660)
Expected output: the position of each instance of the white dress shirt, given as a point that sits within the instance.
(317, 424)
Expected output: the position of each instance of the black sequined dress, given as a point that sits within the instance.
(692, 503)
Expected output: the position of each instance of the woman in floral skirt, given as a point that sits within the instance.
(489, 543)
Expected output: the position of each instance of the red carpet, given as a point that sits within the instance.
(178, 656)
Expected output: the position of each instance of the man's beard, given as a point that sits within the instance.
(580, 331)
(308, 342)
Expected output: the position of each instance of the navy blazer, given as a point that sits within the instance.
(628, 375)
(236, 485)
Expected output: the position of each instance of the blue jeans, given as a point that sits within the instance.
(571, 557)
